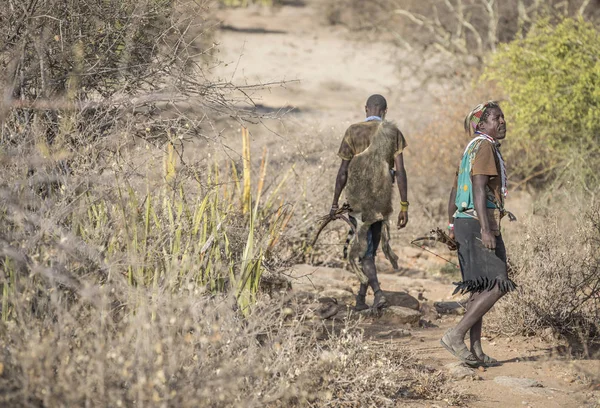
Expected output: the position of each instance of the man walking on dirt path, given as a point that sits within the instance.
(475, 209)
(370, 151)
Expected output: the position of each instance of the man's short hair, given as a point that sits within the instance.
(376, 102)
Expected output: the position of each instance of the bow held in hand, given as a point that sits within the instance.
(334, 214)
(435, 235)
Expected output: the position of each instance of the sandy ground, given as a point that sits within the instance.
(559, 380)
(329, 76)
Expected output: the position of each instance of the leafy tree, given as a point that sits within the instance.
(552, 80)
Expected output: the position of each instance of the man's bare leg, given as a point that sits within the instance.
(370, 271)
(368, 267)
(475, 340)
(361, 303)
(479, 305)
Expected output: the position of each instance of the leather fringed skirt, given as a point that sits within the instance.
(481, 268)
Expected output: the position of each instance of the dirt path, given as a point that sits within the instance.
(532, 374)
(521, 358)
(332, 76)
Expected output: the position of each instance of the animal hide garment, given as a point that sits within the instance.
(369, 192)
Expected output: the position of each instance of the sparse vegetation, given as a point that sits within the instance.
(131, 269)
(557, 267)
(123, 346)
(456, 28)
(551, 78)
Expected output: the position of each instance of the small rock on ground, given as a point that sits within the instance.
(328, 310)
(515, 382)
(401, 299)
(395, 334)
(400, 315)
(459, 371)
(342, 296)
(449, 308)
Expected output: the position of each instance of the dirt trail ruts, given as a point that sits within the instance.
(333, 74)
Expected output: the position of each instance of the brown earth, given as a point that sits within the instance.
(332, 74)
(559, 379)
(329, 74)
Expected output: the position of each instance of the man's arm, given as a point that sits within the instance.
(340, 183)
(451, 211)
(402, 189)
(452, 205)
(479, 196)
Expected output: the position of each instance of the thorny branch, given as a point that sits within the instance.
(63, 62)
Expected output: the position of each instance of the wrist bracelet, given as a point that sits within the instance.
(451, 227)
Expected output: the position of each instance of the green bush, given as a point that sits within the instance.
(552, 80)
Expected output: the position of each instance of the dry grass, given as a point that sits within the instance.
(131, 279)
(111, 299)
(120, 346)
(556, 263)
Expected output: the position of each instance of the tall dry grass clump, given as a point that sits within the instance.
(163, 234)
(116, 295)
(556, 263)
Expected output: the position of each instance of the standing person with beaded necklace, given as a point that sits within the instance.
(475, 209)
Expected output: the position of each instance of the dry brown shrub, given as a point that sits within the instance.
(458, 28)
(112, 344)
(556, 263)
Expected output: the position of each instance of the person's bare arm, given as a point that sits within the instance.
(479, 196)
(402, 182)
(452, 210)
(340, 183)
(452, 205)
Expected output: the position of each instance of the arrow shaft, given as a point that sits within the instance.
(433, 253)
